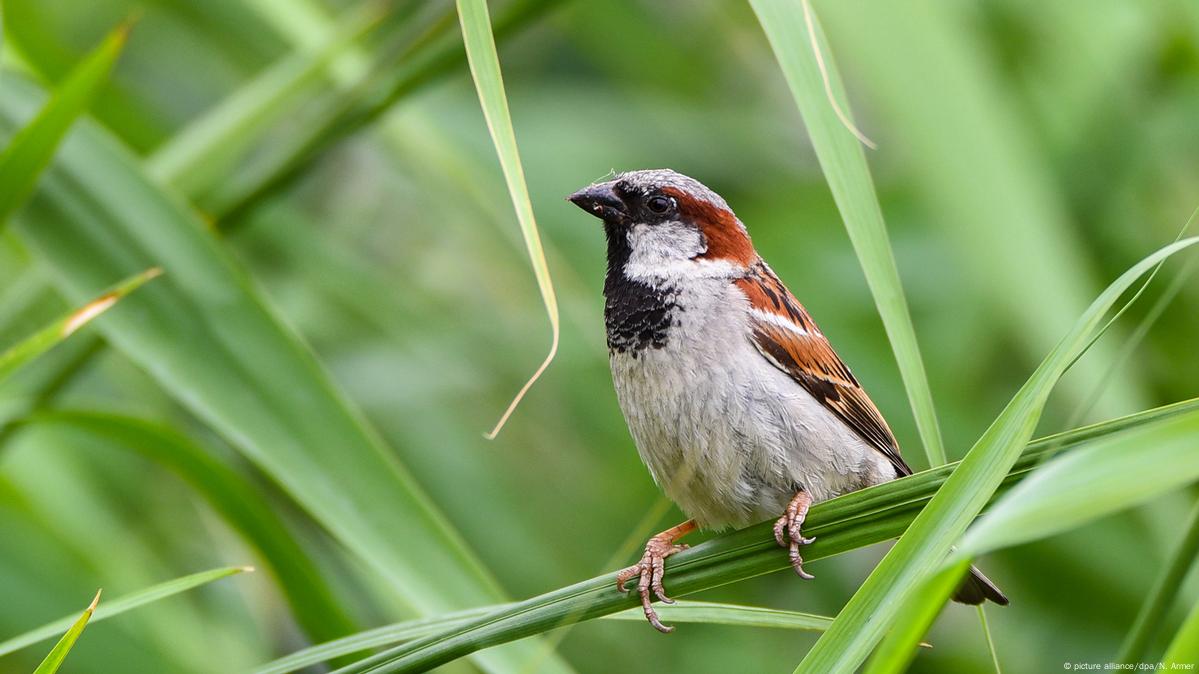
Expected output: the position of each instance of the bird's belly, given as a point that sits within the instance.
(729, 437)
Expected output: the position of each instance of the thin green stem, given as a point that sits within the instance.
(982, 618)
(1163, 593)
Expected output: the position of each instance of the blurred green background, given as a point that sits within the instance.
(1028, 153)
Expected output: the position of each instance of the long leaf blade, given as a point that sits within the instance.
(799, 46)
(237, 500)
(125, 603)
(682, 612)
(211, 340)
(1183, 651)
(45, 339)
(30, 150)
(1081, 486)
(847, 522)
(1063, 494)
(58, 654)
(202, 152)
(1165, 590)
(920, 551)
(484, 64)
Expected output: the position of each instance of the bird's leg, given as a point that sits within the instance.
(789, 525)
(651, 569)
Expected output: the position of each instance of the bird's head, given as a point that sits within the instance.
(664, 225)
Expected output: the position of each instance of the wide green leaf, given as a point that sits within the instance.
(45, 339)
(1063, 494)
(58, 654)
(800, 48)
(236, 499)
(125, 603)
(845, 523)
(681, 612)
(30, 150)
(1183, 651)
(485, 68)
(210, 339)
(1072, 490)
(920, 551)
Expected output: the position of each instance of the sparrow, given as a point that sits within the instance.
(737, 402)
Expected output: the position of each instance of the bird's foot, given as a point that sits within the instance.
(651, 570)
(787, 530)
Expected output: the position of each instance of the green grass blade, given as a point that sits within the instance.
(206, 149)
(898, 648)
(46, 338)
(982, 618)
(844, 164)
(1072, 490)
(238, 502)
(30, 150)
(921, 550)
(121, 605)
(433, 52)
(714, 613)
(1162, 595)
(373, 638)
(485, 69)
(1183, 652)
(58, 654)
(682, 612)
(982, 171)
(1065, 493)
(847, 522)
(209, 338)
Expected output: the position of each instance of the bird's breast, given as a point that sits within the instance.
(728, 436)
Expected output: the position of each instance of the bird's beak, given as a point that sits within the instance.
(602, 201)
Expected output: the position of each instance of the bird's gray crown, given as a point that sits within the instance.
(648, 180)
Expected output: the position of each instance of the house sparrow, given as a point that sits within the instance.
(736, 400)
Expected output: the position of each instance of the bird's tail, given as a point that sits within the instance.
(977, 588)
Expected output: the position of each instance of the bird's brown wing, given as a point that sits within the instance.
(786, 335)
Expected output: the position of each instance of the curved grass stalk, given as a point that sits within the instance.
(681, 612)
(797, 40)
(845, 523)
(484, 64)
(920, 553)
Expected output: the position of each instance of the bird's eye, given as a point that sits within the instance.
(659, 204)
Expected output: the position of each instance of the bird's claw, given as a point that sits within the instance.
(788, 531)
(651, 569)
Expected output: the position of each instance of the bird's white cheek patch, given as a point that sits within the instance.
(667, 251)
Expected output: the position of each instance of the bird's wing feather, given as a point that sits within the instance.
(786, 335)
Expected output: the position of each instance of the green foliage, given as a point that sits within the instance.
(267, 395)
(59, 330)
(798, 43)
(346, 304)
(58, 654)
(117, 607)
(681, 612)
(919, 552)
(1165, 590)
(30, 150)
(839, 525)
(485, 68)
(236, 500)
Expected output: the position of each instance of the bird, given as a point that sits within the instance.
(735, 399)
